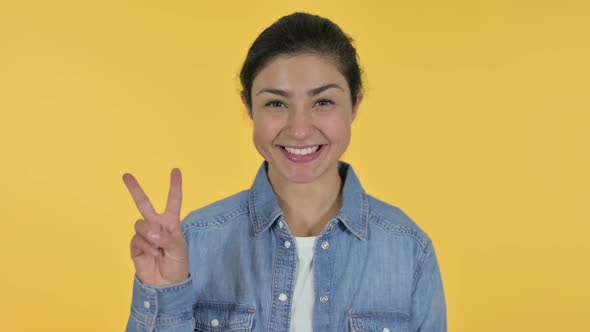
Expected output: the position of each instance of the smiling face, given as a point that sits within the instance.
(302, 113)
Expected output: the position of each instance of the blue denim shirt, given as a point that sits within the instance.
(374, 269)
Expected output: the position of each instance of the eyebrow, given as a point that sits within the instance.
(310, 93)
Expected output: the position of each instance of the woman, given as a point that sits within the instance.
(305, 248)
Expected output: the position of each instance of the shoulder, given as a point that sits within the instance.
(218, 213)
(396, 222)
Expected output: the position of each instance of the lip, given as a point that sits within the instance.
(303, 159)
(301, 146)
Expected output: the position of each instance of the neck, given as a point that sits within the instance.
(308, 207)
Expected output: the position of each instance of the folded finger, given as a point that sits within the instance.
(150, 231)
(139, 246)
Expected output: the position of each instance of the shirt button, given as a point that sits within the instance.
(324, 298)
(214, 322)
(325, 245)
(146, 304)
(287, 244)
(281, 225)
(283, 297)
(385, 330)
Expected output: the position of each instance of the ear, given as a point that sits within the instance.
(245, 102)
(359, 98)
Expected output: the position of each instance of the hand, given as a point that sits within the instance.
(158, 249)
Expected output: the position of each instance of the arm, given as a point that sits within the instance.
(162, 308)
(429, 308)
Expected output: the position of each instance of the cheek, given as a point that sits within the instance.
(265, 132)
(337, 130)
(258, 136)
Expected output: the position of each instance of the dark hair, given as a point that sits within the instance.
(301, 33)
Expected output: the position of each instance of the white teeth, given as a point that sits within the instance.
(302, 152)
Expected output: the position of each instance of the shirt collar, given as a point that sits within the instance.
(265, 210)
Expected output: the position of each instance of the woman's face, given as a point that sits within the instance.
(302, 114)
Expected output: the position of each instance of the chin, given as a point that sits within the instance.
(302, 178)
(301, 174)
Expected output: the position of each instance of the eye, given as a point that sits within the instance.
(275, 103)
(324, 102)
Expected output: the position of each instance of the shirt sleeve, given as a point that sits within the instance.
(429, 307)
(162, 308)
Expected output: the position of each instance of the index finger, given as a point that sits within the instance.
(141, 200)
(175, 193)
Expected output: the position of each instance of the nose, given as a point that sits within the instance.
(300, 124)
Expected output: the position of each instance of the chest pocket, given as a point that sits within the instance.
(223, 317)
(379, 321)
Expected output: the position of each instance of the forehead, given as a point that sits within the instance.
(302, 71)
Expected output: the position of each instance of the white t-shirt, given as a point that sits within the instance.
(303, 296)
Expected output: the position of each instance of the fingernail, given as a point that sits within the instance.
(155, 236)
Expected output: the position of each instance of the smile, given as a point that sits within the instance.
(306, 154)
(302, 152)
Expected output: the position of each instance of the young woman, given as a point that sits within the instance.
(305, 248)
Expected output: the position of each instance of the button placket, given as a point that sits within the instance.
(283, 297)
(284, 274)
(323, 269)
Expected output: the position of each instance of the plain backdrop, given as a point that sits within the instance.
(475, 122)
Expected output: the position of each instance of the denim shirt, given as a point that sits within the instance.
(374, 269)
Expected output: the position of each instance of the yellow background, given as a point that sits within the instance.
(475, 122)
